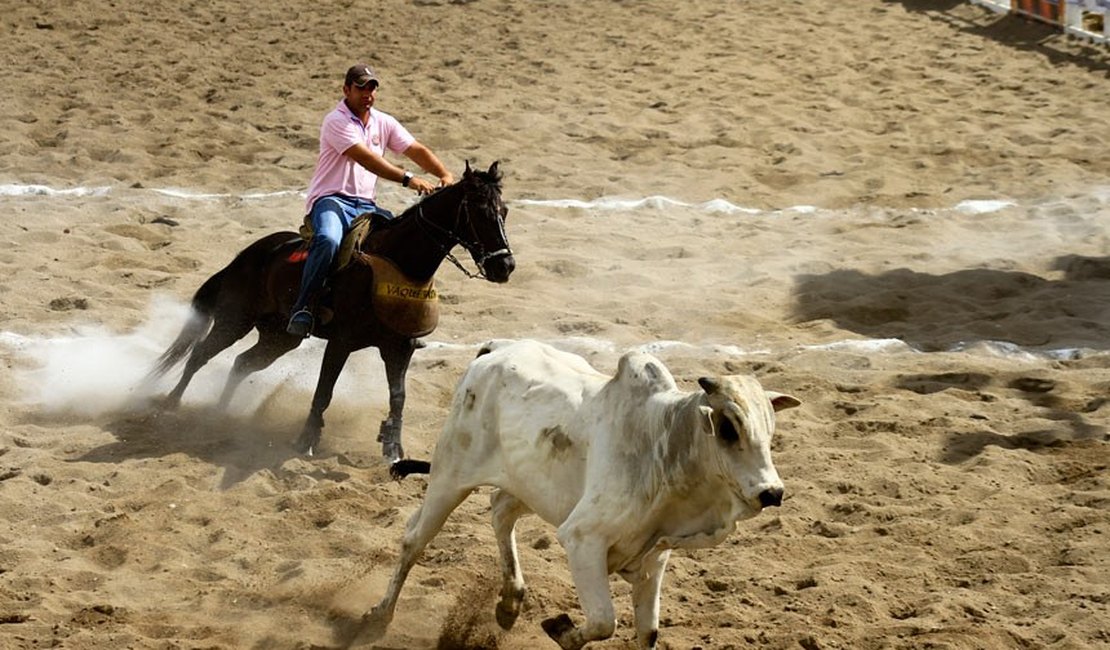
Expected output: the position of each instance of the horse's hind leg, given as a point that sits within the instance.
(335, 357)
(271, 345)
(220, 337)
(506, 510)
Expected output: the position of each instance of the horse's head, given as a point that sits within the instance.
(480, 227)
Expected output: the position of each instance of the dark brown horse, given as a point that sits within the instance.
(257, 289)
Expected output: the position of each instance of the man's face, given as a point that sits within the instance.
(361, 99)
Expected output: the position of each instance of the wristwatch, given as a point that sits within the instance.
(405, 179)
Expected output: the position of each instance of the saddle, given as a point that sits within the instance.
(407, 307)
(360, 230)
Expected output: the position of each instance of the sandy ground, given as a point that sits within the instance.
(896, 211)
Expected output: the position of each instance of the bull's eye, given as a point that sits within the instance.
(728, 432)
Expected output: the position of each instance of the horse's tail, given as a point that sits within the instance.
(196, 328)
(207, 296)
(406, 466)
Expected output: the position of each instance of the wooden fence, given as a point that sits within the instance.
(1081, 18)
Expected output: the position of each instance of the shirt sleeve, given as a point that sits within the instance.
(396, 137)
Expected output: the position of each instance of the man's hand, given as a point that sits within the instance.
(421, 186)
(426, 160)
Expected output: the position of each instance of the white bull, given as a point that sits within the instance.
(627, 468)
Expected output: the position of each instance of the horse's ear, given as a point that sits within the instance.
(493, 168)
(467, 172)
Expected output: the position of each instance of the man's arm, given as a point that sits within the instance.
(378, 165)
(428, 161)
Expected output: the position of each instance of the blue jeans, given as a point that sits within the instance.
(331, 219)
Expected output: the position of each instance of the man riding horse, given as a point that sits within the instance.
(384, 300)
(353, 138)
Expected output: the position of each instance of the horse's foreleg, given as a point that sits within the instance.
(396, 359)
(271, 345)
(335, 357)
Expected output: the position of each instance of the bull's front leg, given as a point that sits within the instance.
(335, 357)
(646, 583)
(587, 556)
(396, 359)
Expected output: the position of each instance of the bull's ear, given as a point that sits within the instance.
(709, 385)
(782, 401)
(707, 419)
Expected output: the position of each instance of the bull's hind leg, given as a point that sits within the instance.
(506, 510)
(440, 500)
(223, 334)
(271, 345)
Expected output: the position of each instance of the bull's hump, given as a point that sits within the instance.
(640, 369)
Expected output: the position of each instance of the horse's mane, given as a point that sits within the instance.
(474, 177)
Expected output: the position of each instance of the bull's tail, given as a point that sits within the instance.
(406, 466)
(196, 328)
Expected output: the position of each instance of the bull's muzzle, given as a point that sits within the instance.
(771, 497)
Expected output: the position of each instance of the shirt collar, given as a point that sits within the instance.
(342, 106)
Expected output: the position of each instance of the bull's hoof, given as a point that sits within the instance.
(561, 629)
(507, 614)
(399, 469)
(369, 628)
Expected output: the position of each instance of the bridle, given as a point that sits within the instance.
(447, 238)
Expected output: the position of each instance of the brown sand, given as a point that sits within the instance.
(944, 491)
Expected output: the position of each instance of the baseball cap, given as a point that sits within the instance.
(360, 75)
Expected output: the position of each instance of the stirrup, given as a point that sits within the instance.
(300, 324)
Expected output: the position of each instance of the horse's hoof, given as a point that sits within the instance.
(392, 451)
(307, 445)
(167, 403)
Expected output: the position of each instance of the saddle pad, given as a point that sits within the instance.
(405, 306)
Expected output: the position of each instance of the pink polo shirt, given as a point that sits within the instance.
(339, 174)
